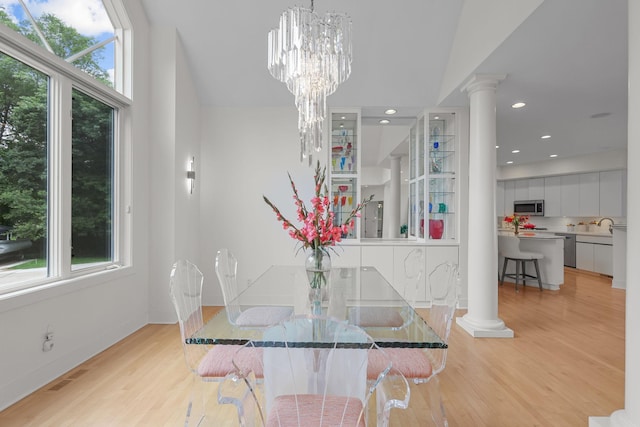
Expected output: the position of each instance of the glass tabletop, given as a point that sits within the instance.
(358, 295)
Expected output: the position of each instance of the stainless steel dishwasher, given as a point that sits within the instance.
(569, 249)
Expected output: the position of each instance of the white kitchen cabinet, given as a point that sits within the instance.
(594, 253)
(509, 196)
(584, 256)
(553, 196)
(603, 259)
(529, 189)
(571, 195)
(577, 195)
(500, 211)
(536, 189)
(522, 189)
(589, 194)
(612, 194)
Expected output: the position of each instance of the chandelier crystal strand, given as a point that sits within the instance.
(312, 56)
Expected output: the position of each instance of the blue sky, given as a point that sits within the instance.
(88, 17)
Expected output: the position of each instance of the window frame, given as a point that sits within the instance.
(63, 79)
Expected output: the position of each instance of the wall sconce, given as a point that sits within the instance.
(191, 175)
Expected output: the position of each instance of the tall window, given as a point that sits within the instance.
(23, 170)
(60, 141)
(91, 180)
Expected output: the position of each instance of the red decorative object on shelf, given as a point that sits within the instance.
(436, 228)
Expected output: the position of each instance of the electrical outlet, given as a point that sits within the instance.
(47, 345)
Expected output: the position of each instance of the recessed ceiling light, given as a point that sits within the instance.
(341, 125)
(518, 105)
(545, 137)
(343, 117)
(510, 162)
(497, 146)
(553, 155)
(436, 118)
(515, 151)
(384, 122)
(390, 111)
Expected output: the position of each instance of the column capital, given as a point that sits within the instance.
(482, 81)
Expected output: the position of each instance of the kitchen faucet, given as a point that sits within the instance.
(610, 225)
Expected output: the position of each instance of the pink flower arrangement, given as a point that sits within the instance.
(516, 220)
(318, 228)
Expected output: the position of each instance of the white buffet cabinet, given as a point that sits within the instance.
(387, 256)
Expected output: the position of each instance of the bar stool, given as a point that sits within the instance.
(509, 248)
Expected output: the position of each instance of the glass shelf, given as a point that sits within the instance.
(343, 161)
(433, 191)
(344, 143)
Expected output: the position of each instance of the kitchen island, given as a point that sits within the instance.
(551, 266)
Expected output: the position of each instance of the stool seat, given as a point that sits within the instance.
(509, 249)
(522, 255)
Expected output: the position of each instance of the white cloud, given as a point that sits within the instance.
(88, 17)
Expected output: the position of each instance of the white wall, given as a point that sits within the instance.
(162, 218)
(175, 138)
(246, 153)
(187, 146)
(88, 314)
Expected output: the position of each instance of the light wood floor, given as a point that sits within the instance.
(566, 363)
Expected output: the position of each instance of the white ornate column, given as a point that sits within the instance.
(482, 319)
(394, 199)
(630, 415)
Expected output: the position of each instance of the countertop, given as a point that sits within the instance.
(528, 234)
(564, 231)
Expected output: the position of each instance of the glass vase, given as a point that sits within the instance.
(318, 267)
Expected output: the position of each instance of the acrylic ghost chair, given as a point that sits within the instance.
(423, 365)
(226, 270)
(206, 363)
(392, 317)
(315, 375)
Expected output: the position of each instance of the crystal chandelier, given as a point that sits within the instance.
(312, 56)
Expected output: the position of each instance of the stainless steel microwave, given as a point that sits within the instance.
(529, 207)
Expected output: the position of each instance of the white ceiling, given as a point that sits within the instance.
(567, 61)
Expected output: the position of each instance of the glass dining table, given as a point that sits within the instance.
(358, 295)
